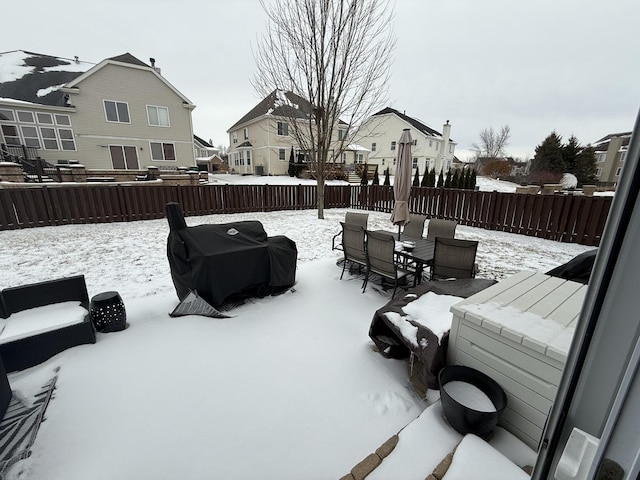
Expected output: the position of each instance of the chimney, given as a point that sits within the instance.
(153, 65)
(76, 59)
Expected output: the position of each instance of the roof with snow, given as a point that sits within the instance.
(280, 104)
(417, 124)
(602, 144)
(37, 78)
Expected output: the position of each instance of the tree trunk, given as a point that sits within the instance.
(320, 197)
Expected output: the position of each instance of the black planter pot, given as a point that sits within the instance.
(465, 419)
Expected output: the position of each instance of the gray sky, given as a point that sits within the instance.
(572, 66)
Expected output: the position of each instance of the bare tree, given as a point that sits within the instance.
(492, 143)
(336, 55)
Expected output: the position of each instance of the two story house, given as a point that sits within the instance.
(430, 149)
(118, 114)
(261, 141)
(611, 152)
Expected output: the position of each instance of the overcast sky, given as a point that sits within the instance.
(572, 66)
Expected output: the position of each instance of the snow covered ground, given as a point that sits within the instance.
(288, 388)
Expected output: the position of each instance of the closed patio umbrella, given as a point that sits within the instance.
(402, 182)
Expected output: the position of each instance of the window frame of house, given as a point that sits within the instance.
(618, 170)
(67, 140)
(245, 133)
(623, 156)
(360, 157)
(602, 157)
(282, 129)
(598, 172)
(58, 118)
(234, 137)
(10, 114)
(49, 138)
(282, 154)
(342, 134)
(21, 113)
(451, 148)
(44, 118)
(164, 146)
(116, 110)
(158, 120)
(7, 136)
(32, 139)
(414, 142)
(373, 146)
(393, 145)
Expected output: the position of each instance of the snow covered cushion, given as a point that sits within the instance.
(41, 319)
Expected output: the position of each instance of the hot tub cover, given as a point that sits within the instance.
(218, 261)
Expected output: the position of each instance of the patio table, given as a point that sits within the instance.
(421, 255)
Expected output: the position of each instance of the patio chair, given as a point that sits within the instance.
(353, 218)
(353, 246)
(381, 259)
(454, 258)
(441, 228)
(415, 227)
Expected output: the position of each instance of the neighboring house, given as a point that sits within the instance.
(207, 156)
(517, 168)
(117, 114)
(261, 141)
(611, 152)
(430, 149)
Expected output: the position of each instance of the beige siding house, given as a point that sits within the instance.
(381, 132)
(261, 141)
(611, 152)
(118, 114)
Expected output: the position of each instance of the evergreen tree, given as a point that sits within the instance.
(585, 166)
(292, 164)
(416, 178)
(432, 177)
(440, 179)
(376, 179)
(465, 178)
(472, 181)
(425, 178)
(570, 152)
(447, 181)
(363, 176)
(455, 180)
(548, 157)
(387, 180)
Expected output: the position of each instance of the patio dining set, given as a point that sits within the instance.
(397, 256)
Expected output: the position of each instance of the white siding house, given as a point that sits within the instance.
(381, 132)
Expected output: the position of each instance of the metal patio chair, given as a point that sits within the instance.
(353, 246)
(381, 259)
(441, 228)
(415, 227)
(454, 258)
(353, 218)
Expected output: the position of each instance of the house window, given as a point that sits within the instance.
(618, 171)
(394, 161)
(162, 151)
(360, 158)
(342, 134)
(623, 155)
(451, 148)
(414, 162)
(63, 120)
(44, 118)
(49, 138)
(66, 139)
(602, 157)
(158, 116)
(124, 157)
(245, 131)
(6, 114)
(344, 157)
(383, 161)
(430, 143)
(11, 135)
(116, 111)
(393, 145)
(30, 136)
(415, 142)
(373, 147)
(25, 117)
(283, 128)
(248, 154)
(598, 172)
(282, 154)
(234, 135)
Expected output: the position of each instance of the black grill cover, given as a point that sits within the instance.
(218, 261)
(578, 269)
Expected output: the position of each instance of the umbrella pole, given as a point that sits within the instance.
(398, 232)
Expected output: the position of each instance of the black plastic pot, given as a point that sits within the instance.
(463, 418)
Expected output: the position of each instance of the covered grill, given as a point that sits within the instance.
(218, 261)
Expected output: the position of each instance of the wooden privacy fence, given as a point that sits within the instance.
(565, 218)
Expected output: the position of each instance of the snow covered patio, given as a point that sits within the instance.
(288, 388)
